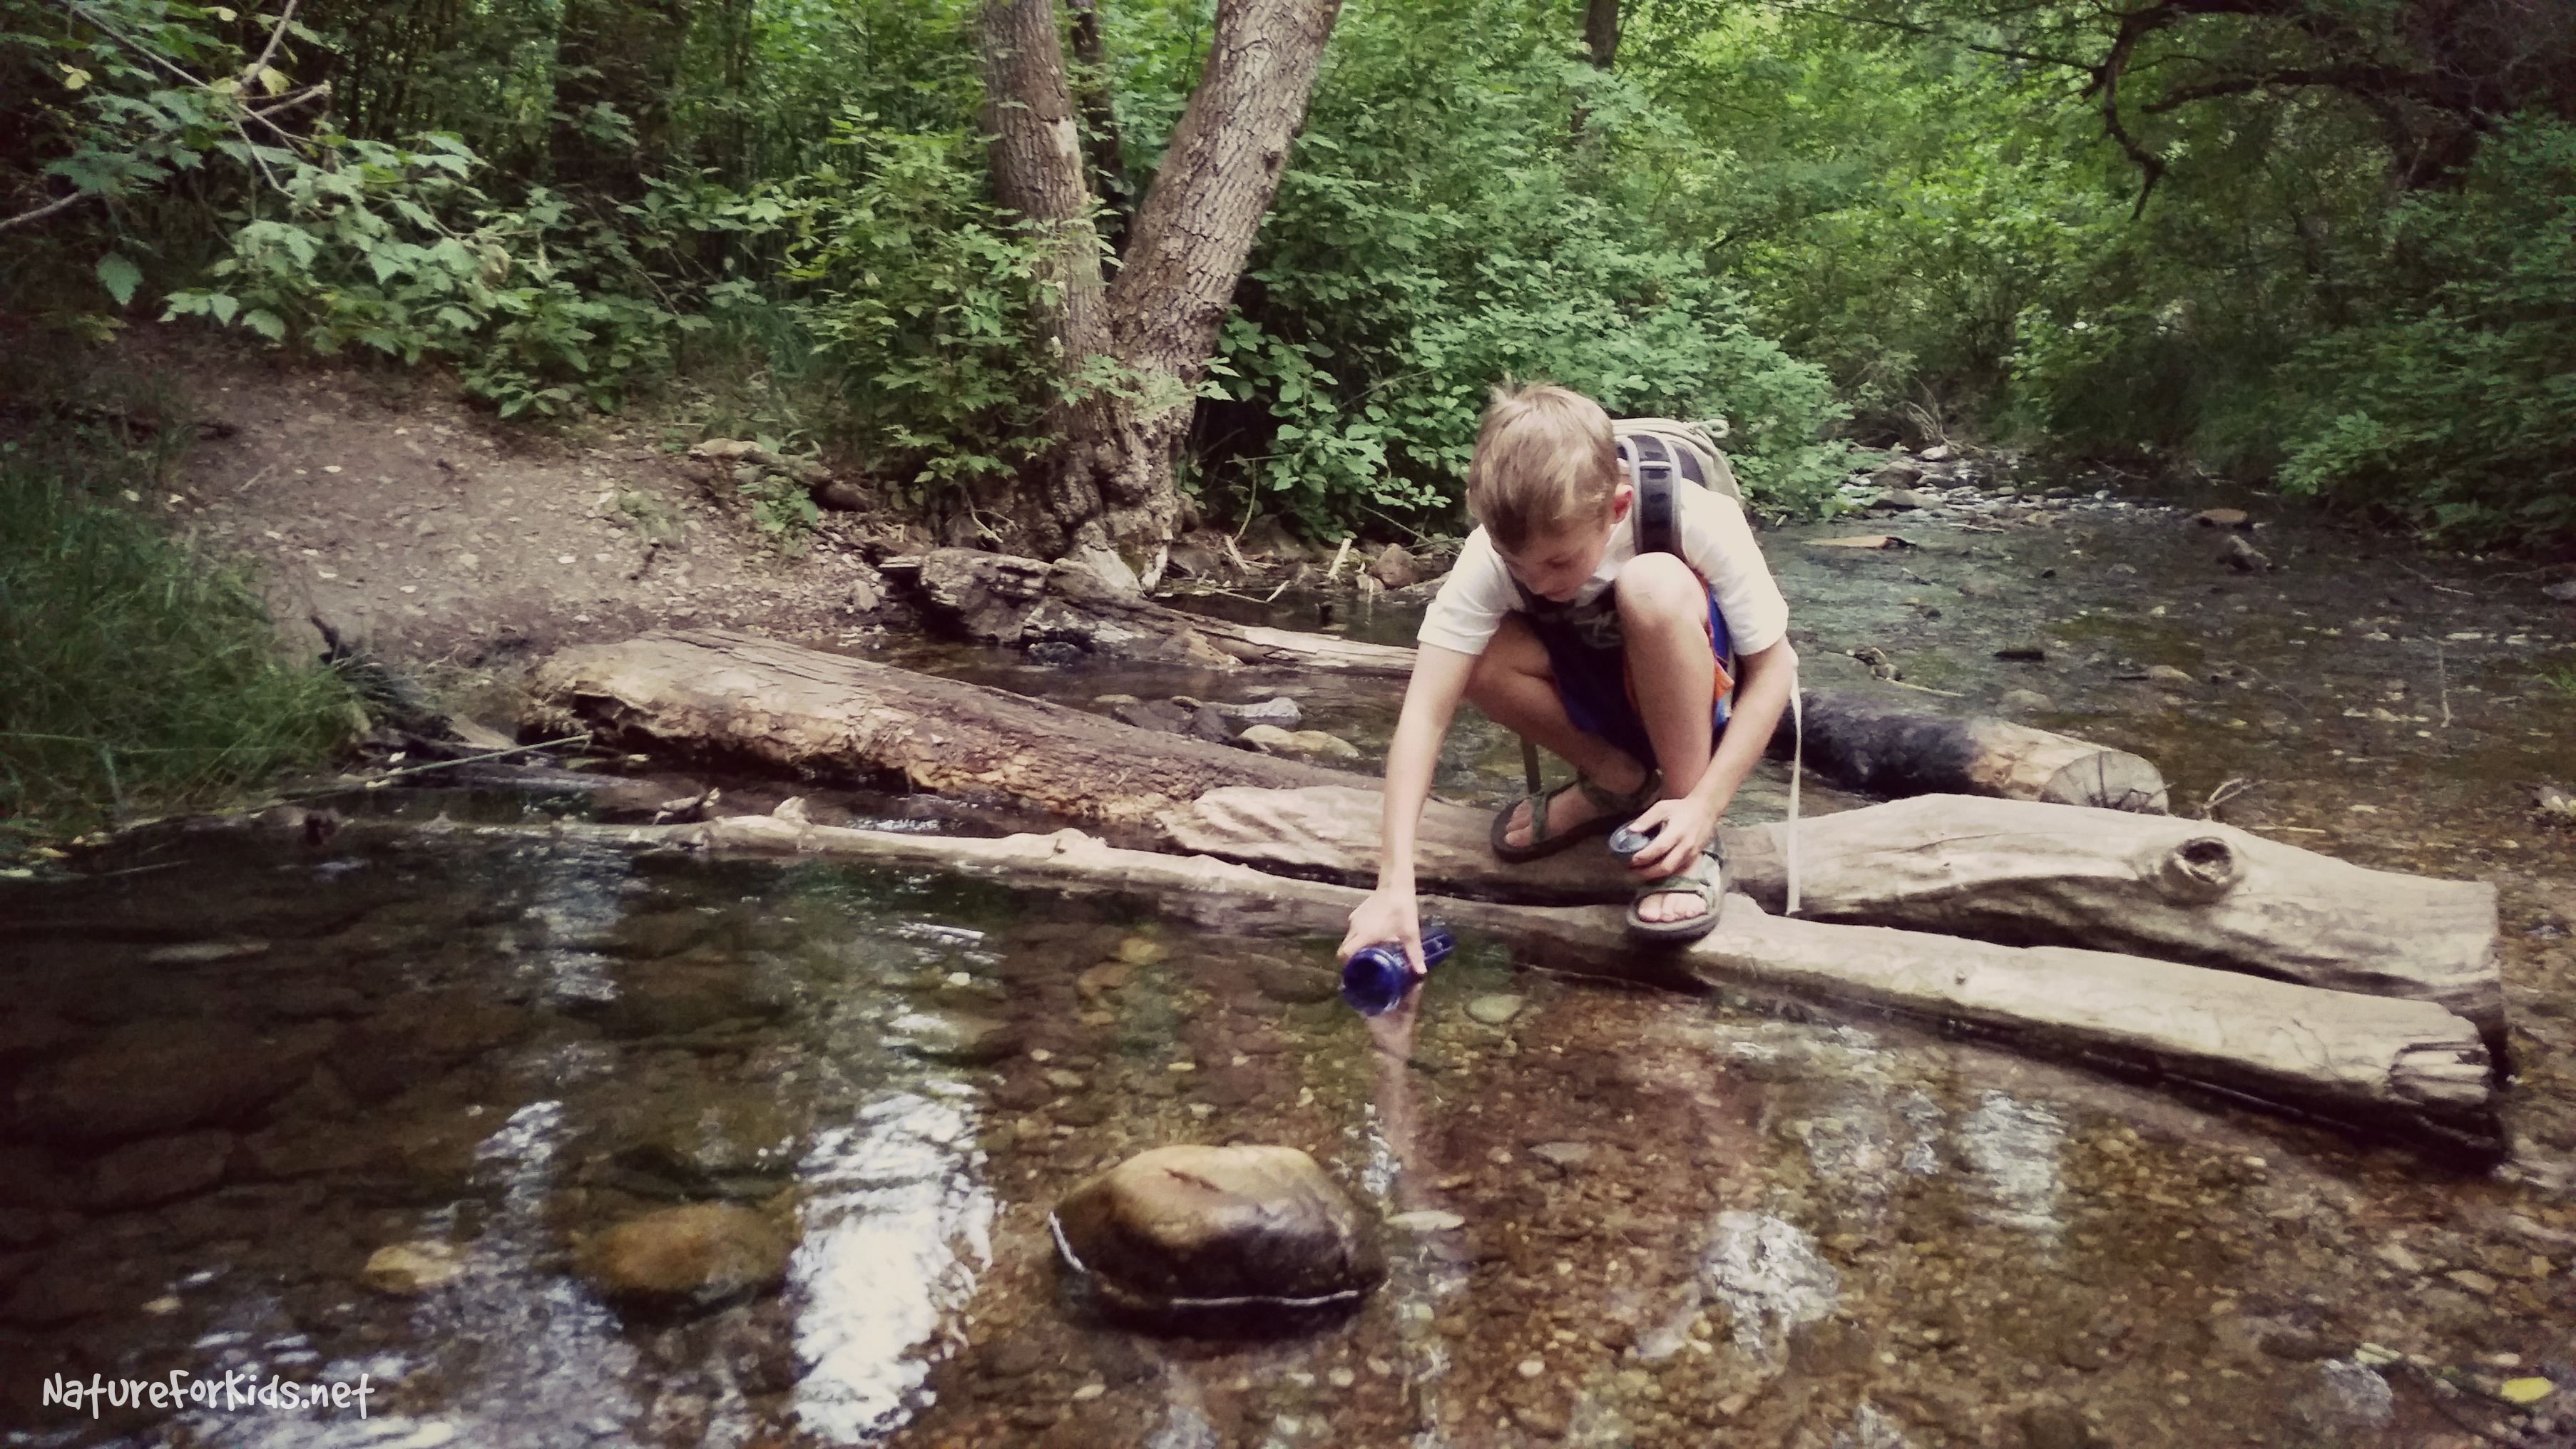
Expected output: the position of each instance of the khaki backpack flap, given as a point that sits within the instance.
(1686, 441)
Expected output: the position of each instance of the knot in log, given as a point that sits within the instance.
(2198, 870)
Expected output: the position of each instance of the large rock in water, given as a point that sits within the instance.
(700, 1255)
(1219, 1239)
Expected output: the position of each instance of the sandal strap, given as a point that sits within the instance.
(1614, 803)
(1701, 877)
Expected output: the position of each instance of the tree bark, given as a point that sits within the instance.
(1601, 31)
(1885, 748)
(1100, 125)
(734, 695)
(2013, 872)
(1114, 494)
(2407, 1066)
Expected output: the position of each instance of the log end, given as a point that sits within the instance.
(2110, 780)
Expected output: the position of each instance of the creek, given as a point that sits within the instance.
(240, 1061)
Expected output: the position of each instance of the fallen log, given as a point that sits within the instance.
(806, 711)
(994, 598)
(1863, 742)
(2018, 873)
(2403, 1066)
(2013, 872)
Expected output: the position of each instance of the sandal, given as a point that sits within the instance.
(1615, 811)
(1704, 878)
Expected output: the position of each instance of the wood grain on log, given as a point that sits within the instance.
(1887, 748)
(804, 710)
(2016, 872)
(2407, 1066)
(994, 598)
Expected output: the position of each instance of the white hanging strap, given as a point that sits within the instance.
(1797, 760)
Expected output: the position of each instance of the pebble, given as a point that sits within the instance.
(1088, 1392)
(1426, 1220)
(408, 1270)
(1531, 1368)
(1494, 1010)
(1342, 1378)
(1568, 1155)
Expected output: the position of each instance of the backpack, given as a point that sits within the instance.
(1655, 451)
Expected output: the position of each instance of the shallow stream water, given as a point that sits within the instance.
(245, 1061)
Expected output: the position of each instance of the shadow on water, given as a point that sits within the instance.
(1615, 1216)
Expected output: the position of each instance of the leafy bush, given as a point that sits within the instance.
(540, 305)
(140, 675)
(1442, 229)
(2455, 406)
(919, 296)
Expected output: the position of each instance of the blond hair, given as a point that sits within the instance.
(1544, 462)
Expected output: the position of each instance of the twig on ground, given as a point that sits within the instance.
(2228, 789)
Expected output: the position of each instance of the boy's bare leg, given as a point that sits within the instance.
(1515, 688)
(1663, 619)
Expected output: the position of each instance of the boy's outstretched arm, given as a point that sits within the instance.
(1768, 677)
(1430, 701)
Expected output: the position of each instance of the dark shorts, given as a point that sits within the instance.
(1600, 699)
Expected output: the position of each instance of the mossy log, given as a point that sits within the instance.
(2392, 1065)
(2014, 872)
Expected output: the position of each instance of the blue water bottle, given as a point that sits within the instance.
(1376, 977)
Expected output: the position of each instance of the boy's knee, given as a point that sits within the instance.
(1658, 588)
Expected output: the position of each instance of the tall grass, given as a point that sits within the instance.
(136, 675)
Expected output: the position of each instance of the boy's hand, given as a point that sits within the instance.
(1387, 915)
(1681, 829)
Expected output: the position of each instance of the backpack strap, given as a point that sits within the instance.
(1652, 466)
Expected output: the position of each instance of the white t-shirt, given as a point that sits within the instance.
(1715, 541)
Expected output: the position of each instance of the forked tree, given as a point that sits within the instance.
(1132, 347)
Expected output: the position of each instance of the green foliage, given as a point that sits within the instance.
(141, 676)
(2453, 405)
(538, 304)
(1442, 229)
(920, 299)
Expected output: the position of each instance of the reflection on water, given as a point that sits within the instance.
(897, 1224)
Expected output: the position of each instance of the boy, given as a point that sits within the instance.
(1559, 630)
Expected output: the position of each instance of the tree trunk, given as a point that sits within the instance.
(1037, 163)
(1101, 145)
(1111, 501)
(2407, 1066)
(1601, 31)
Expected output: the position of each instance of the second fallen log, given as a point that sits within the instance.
(1882, 746)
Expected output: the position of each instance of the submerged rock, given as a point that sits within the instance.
(698, 1255)
(1240, 1238)
(150, 1078)
(144, 1173)
(408, 1270)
